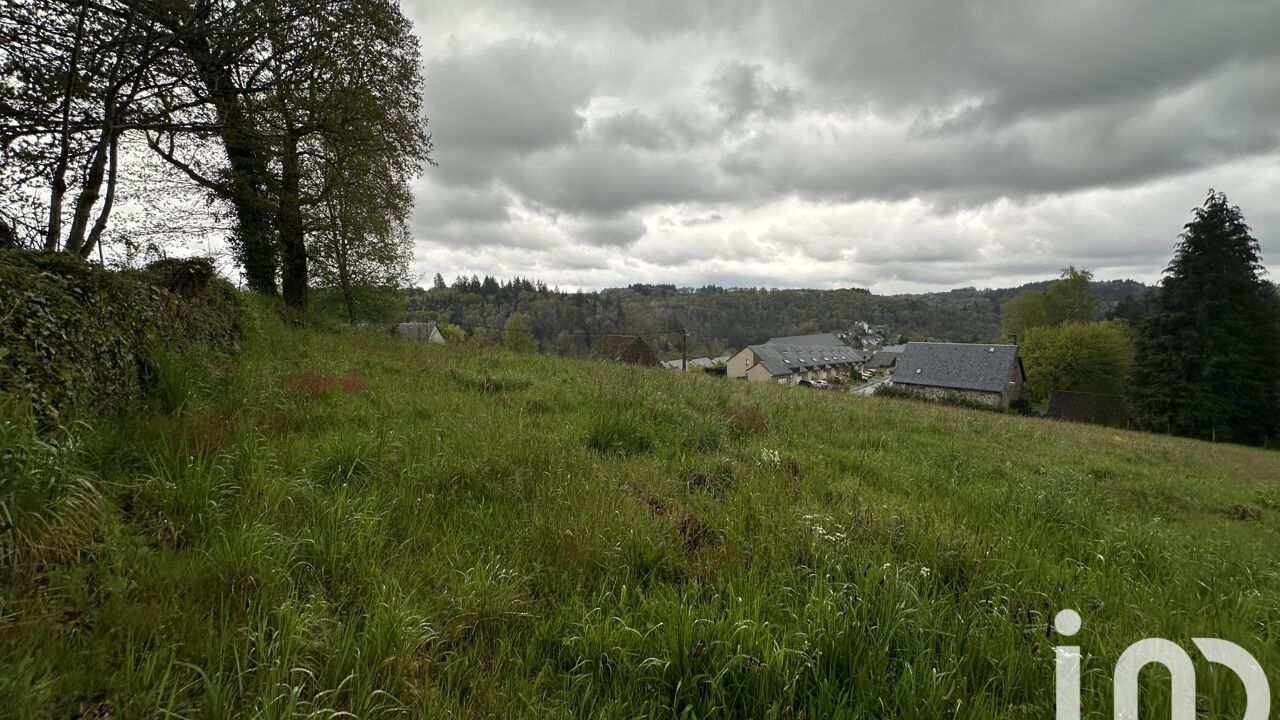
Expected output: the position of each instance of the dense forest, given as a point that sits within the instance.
(719, 319)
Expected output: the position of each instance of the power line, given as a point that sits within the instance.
(587, 333)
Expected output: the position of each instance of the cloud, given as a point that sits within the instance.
(497, 103)
(633, 129)
(740, 92)
(615, 233)
(899, 146)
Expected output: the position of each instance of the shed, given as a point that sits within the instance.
(1109, 410)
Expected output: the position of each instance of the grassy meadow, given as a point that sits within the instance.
(339, 524)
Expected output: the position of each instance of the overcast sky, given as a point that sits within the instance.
(901, 146)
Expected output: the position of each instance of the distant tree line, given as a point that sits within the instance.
(719, 319)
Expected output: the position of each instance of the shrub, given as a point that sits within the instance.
(77, 337)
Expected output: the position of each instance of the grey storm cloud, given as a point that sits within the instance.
(740, 91)
(897, 145)
(492, 106)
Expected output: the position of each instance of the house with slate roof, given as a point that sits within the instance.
(625, 349)
(886, 358)
(788, 360)
(424, 331)
(988, 374)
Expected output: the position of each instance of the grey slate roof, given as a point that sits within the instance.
(781, 359)
(957, 366)
(701, 362)
(886, 356)
(1110, 410)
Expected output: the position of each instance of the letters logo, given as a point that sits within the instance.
(1162, 652)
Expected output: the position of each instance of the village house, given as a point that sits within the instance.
(788, 360)
(886, 358)
(987, 374)
(424, 331)
(629, 349)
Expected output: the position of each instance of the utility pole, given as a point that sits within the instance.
(684, 350)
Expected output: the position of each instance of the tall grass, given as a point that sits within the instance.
(351, 525)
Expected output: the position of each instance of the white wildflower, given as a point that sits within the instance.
(770, 458)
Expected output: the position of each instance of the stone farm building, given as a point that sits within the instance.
(986, 374)
(625, 349)
(788, 360)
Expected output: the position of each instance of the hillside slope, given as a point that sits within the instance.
(721, 319)
(348, 522)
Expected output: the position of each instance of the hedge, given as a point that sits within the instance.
(75, 339)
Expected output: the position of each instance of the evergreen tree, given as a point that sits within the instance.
(1209, 348)
(438, 282)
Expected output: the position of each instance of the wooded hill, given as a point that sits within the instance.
(720, 318)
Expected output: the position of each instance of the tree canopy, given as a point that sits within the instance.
(516, 334)
(1078, 357)
(1209, 347)
(1070, 297)
(300, 118)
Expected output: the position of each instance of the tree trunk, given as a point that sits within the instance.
(59, 180)
(8, 239)
(100, 225)
(292, 234)
(247, 156)
(92, 189)
(344, 278)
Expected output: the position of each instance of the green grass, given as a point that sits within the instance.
(342, 524)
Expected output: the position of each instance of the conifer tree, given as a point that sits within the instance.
(1208, 363)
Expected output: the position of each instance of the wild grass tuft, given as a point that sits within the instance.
(618, 434)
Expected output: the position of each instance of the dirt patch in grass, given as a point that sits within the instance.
(313, 383)
(694, 533)
(724, 561)
(1245, 513)
(658, 507)
(747, 418)
(208, 433)
(715, 480)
